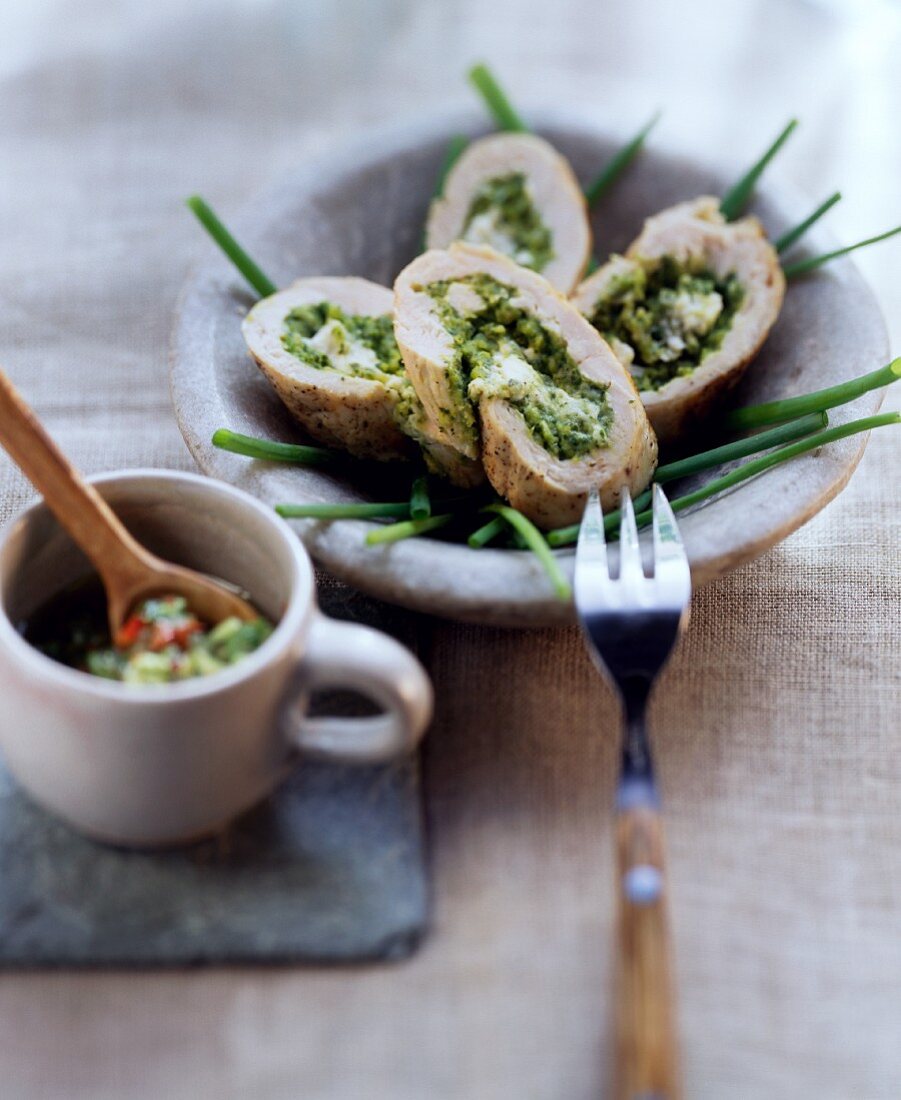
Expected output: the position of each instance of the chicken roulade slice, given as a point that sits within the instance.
(511, 373)
(687, 309)
(326, 344)
(516, 193)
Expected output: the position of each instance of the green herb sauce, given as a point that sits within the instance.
(669, 316)
(502, 351)
(503, 215)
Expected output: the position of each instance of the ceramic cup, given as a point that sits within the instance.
(164, 764)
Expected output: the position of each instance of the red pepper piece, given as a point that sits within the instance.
(161, 635)
(128, 633)
(184, 631)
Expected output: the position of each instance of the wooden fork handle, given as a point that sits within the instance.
(646, 1044)
(76, 504)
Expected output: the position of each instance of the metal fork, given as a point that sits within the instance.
(631, 625)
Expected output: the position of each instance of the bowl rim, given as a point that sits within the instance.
(520, 594)
(298, 610)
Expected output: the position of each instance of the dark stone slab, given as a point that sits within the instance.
(329, 869)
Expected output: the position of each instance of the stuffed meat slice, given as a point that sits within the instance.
(511, 374)
(516, 193)
(687, 308)
(326, 344)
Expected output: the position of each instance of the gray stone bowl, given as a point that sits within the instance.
(362, 213)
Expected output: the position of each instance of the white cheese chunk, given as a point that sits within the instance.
(696, 313)
(342, 350)
(485, 229)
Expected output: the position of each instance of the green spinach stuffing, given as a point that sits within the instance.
(324, 336)
(664, 318)
(503, 351)
(503, 215)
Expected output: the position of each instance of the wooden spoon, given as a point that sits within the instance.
(129, 572)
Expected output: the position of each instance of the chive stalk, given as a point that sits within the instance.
(775, 412)
(791, 236)
(537, 544)
(619, 162)
(496, 101)
(455, 147)
(741, 448)
(792, 271)
(394, 509)
(775, 458)
(271, 450)
(739, 195)
(487, 532)
(407, 529)
(420, 504)
(344, 511)
(565, 535)
(254, 275)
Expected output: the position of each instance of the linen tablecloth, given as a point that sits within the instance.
(777, 722)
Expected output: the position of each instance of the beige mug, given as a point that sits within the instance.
(148, 765)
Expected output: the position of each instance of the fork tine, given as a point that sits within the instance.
(591, 577)
(592, 545)
(670, 559)
(667, 540)
(630, 567)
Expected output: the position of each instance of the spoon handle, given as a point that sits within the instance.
(76, 504)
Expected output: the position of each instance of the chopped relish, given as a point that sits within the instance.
(162, 642)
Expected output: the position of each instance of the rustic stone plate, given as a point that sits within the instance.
(362, 213)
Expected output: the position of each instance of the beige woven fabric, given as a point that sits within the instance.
(777, 723)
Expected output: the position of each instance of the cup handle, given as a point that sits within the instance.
(348, 655)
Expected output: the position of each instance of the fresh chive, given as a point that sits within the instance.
(383, 510)
(791, 236)
(775, 412)
(487, 532)
(738, 196)
(271, 450)
(537, 544)
(455, 148)
(409, 528)
(591, 267)
(776, 458)
(741, 448)
(344, 511)
(792, 271)
(695, 464)
(254, 275)
(563, 536)
(619, 162)
(420, 504)
(495, 100)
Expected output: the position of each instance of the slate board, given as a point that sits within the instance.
(331, 868)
